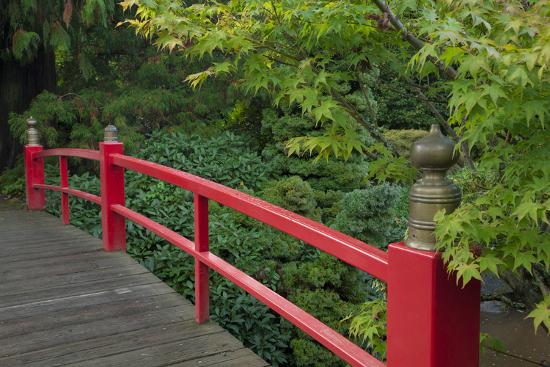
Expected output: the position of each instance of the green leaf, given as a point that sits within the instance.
(197, 79)
(495, 92)
(59, 38)
(490, 263)
(541, 314)
(323, 111)
(451, 55)
(467, 272)
(524, 259)
(527, 208)
(25, 45)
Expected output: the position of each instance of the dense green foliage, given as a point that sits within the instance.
(30, 26)
(319, 56)
(315, 281)
(138, 104)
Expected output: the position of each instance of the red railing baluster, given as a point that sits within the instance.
(201, 270)
(34, 169)
(64, 183)
(112, 192)
(432, 321)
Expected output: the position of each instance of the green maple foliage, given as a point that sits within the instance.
(304, 54)
(499, 105)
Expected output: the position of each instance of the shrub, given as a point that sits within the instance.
(371, 214)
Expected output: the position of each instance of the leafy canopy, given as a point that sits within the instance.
(304, 54)
(54, 25)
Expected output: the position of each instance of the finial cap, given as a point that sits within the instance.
(434, 151)
(434, 155)
(110, 133)
(32, 133)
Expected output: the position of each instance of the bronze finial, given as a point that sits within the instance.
(433, 154)
(110, 133)
(32, 133)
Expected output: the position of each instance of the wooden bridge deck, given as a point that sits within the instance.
(63, 301)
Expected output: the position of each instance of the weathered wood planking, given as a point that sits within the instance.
(63, 301)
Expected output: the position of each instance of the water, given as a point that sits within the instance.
(524, 348)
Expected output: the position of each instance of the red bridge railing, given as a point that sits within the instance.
(432, 322)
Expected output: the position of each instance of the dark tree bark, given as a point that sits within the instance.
(19, 84)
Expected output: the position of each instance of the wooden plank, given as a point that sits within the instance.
(237, 358)
(62, 268)
(92, 299)
(40, 234)
(113, 344)
(82, 331)
(63, 301)
(34, 284)
(95, 257)
(47, 252)
(60, 294)
(112, 308)
(168, 353)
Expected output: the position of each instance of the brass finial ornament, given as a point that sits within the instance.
(110, 133)
(434, 154)
(32, 133)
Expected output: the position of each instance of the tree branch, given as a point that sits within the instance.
(449, 71)
(371, 128)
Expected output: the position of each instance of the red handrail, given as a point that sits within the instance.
(68, 152)
(331, 339)
(346, 248)
(74, 192)
(356, 253)
(432, 322)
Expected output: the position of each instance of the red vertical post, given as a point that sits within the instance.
(201, 270)
(34, 168)
(34, 174)
(64, 183)
(112, 192)
(432, 321)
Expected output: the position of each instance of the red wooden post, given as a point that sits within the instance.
(432, 321)
(201, 270)
(112, 192)
(64, 182)
(34, 169)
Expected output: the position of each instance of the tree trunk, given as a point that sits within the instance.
(19, 84)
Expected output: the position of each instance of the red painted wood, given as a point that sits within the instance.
(201, 270)
(346, 248)
(112, 192)
(69, 152)
(64, 183)
(432, 322)
(331, 339)
(34, 174)
(74, 192)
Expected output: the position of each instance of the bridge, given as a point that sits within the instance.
(64, 301)
(70, 299)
